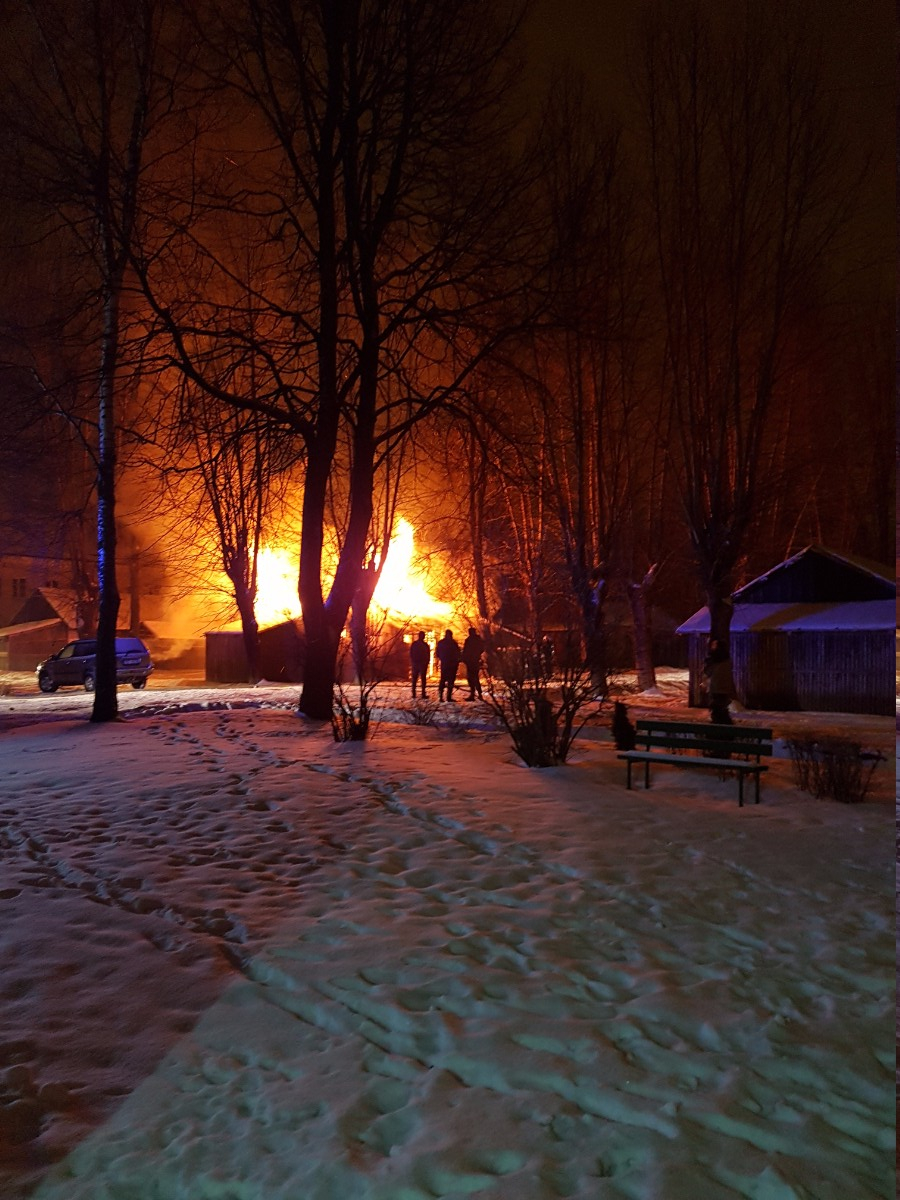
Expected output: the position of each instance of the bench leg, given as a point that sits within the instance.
(757, 787)
(740, 789)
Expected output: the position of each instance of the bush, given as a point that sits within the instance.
(351, 716)
(539, 713)
(832, 767)
(353, 703)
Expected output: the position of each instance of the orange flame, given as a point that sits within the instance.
(276, 586)
(402, 590)
(403, 587)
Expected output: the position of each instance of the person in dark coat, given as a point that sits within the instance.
(447, 653)
(419, 658)
(473, 648)
(547, 656)
(720, 682)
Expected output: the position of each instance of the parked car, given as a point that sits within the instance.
(76, 665)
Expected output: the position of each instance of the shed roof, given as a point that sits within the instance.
(30, 626)
(44, 603)
(881, 582)
(855, 615)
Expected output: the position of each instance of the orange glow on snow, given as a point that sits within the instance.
(402, 589)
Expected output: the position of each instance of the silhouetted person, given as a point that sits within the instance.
(447, 653)
(473, 648)
(419, 658)
(720, 682)
(546, 652)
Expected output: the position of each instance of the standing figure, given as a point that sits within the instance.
(473, 648)
(720, 682)
(546, 651)
(447, 654)
(419, 658)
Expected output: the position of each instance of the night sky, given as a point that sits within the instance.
(858, 40)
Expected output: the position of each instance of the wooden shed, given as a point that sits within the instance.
(281, 654)
(24, 645)
(816, 633)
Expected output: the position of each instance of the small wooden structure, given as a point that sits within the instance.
(816, 633)
(24, 645)
(281, 654)
(43, 624)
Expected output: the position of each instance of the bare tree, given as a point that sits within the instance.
(588, 425)
(376, 174)
(237, 458)
(745, 199)
(84, 96)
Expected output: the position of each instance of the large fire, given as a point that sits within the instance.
(402, 590)
(403, 587)
(276, 586)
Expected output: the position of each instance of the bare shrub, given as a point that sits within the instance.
(364, 657)
(352, 715)
(539, 711)
(832, 767)
(803, 752)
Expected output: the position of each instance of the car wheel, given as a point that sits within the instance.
(45, 683)
(89, 682)
(137, 684)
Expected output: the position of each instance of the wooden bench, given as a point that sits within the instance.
(700, 744)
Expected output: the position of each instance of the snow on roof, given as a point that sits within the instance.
(853, 615)
(29, 626)
(863, 565)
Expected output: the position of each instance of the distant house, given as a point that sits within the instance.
(46, 620)
(21, 572)
(816, 633)
(53, 603)
(24, 645)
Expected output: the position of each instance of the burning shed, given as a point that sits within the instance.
(815, 633)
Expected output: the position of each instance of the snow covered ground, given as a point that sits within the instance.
(241, 961)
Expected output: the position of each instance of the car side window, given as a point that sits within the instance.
(67, 651)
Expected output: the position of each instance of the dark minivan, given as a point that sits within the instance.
(75, 665)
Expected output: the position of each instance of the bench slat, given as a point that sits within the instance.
(680, 760)
(714, 744)
(697, 726)
(685, 735)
